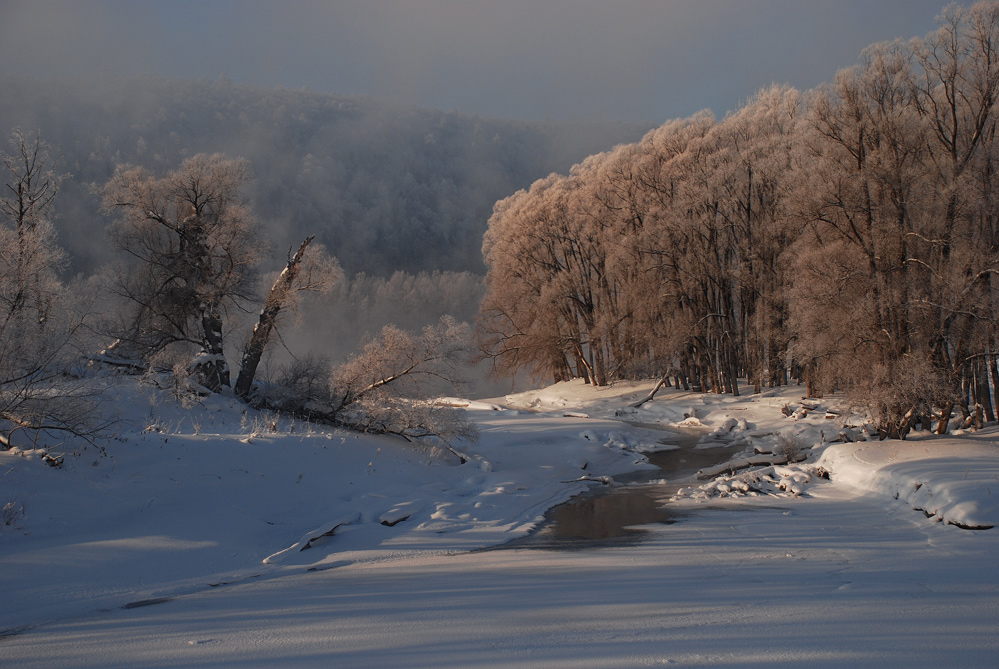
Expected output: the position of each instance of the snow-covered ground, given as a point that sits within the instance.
(183, 544)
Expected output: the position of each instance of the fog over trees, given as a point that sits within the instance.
(847, 234)
(399, 195)
(845, 237)
(384, 187)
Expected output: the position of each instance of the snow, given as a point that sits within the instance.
(222, 536)
(953, 480)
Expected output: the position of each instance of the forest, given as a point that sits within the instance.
(291, 378)
(845, 235)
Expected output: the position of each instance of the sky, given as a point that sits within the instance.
(625, 60)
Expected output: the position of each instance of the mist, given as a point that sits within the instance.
(399, 194)
(389, 130)
(385, 187)
(637, 60)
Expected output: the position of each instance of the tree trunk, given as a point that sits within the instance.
(906, 424)
(268, 319)
(982, 389)
(944, 417)
(733, 373)
(584, 370)
(994, 371)
(599, 365)
(212, 369)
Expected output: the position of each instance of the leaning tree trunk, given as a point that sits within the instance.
(265, 323)
(664, 381)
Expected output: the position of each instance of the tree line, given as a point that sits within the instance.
(846, 236)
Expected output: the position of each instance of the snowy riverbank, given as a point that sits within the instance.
(174, 547)
(952, 478)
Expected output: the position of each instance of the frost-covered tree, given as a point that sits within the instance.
(37, 328)
(193, 249)
(31, 257)
(656, 258)
(897, 188)
(860, 169)
(955, 85)
(193, 252)
(520, 327)
(849, 235)
(752, 167)
(387, 386)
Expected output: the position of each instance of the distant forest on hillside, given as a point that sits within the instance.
(384, 187)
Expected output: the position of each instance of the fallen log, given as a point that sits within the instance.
(733, 466)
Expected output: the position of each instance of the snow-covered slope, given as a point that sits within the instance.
(266, 540)
(183, 499)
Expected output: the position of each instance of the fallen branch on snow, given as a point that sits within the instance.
(733, 466)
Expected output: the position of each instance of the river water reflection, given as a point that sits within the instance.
(607, 516)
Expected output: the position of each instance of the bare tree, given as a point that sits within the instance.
(523, 324)
(897, 180)
(851, 234)
(33, 259)
(194, 248)
(651, 258)
(38, 332)
(385, 388)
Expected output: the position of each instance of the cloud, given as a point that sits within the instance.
(629, 60)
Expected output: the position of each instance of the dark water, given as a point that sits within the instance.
(607, 515)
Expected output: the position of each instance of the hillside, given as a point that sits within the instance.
(386, 187)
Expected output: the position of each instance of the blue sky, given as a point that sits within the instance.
(629, 60)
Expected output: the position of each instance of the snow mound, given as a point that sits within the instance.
(950, 480)
(771, 481)
(307, 541)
